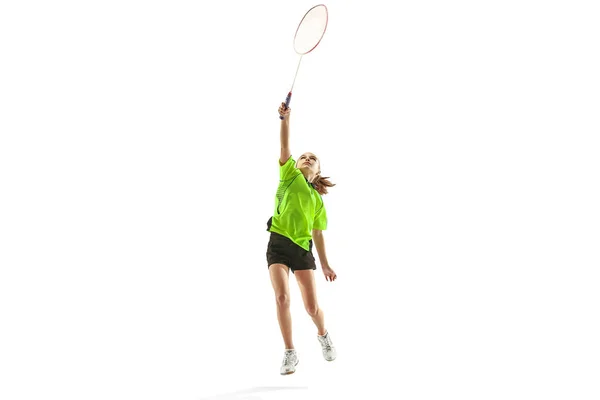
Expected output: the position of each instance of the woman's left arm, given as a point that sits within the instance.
(319, 241)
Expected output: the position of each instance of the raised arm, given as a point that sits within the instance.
(284, 134)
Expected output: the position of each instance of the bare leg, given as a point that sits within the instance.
(280, 280)
(308, 288)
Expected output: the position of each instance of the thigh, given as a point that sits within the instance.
(308, 286)
(279, 274)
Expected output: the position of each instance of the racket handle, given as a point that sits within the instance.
(288, 98)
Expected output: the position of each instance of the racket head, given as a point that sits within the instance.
(311, 29)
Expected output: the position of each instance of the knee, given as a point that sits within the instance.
(283, 300)
(312, 310)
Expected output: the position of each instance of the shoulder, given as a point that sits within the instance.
(289, 160)
(319, 197)
(288, 169)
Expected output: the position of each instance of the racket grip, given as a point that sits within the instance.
(288, 98)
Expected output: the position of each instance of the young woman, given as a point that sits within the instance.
(298, 219)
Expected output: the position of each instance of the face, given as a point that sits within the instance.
(308, 161)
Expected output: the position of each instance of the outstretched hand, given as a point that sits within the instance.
(284, 111)
(330, 274)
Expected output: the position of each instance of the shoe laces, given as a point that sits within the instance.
(326, 342)
(288, 356)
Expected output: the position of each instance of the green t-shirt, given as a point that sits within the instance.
(299, 207)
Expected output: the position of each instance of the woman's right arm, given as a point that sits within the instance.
(284, 134)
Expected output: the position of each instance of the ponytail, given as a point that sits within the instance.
(321, 184)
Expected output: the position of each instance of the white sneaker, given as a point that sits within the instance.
(290, 360)
(329, 352)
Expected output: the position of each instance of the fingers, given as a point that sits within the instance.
(283, 110)
(330, 276)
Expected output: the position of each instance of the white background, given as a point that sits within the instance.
(138, 168)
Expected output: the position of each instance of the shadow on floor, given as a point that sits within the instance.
(239, 395)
